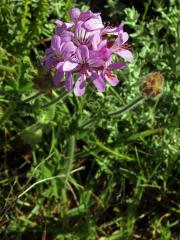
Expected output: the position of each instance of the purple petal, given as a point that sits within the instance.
(68, 80)
(122, 38)
(58, 31)
(125, 54)
(68, 25)
(116, 65)
(80, 85)
(105, 53)
(84, 16)
(69, 66)
(98, 82)
(96, 40)
(102, 44)
(111, 78)
(95, 61)
(66, 36)
(82, 54)
(113, 31)
(57, 78)
(50, 63)
(48, 51)
(68, 48)
(110, 30)
(59, 66)
(56, 43)
(93, 24)
(58, 22)
(82, 36)
(74, 14)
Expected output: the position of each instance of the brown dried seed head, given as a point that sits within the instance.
(153, 85)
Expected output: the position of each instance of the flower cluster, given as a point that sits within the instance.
(85, 47)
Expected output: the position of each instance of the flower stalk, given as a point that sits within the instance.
(36, 95)
(56, 100)
(134, 103)
(127, 107)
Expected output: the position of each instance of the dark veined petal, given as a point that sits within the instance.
(80, 85)
(68, 48)
(95, 61)
(82, 36)
(82, 54)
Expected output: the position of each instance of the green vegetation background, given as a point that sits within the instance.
(113, 179)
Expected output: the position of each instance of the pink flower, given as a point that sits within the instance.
(84, 47)
(85, 62)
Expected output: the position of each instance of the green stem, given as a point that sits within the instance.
(33, 97)
(117, 113)
(126, 108)
(56, 100)
(7, 69)
(71, 149)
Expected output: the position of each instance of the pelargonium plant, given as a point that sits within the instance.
(85, 48)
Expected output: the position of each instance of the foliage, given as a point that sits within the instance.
(125, 184)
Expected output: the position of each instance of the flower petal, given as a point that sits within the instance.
(50, 63)
(69, 66)
(84, 16)
(125, 54)
(116, 65)
(74, 14)
(111, 78)
(95, 61)
(58, 22)
(93, 24)
(82, 54)
(96, 40)
(68, 48)
(82, 36)
(98, 82)
(57, 78)
(64, 35)
(80, 85)
(68, 80)
(122, 37)
(59, 66)
(56, 43)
